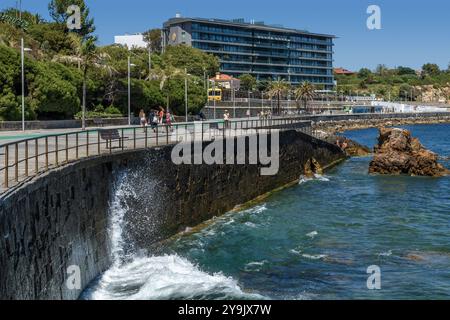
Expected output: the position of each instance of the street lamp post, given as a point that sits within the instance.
(249, 112)
(186, 93)
(22, 62)
(234, 100)
(262, 101)
(129, 89)
(214, 96)
(149, 59)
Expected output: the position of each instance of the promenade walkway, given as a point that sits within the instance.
(24, 155)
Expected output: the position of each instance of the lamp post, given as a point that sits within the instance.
(149, 60)
(22, 58)
(234, 100)
(214, 96)
(249, 112)
(262, 101)
(186, 93)
(129, 89)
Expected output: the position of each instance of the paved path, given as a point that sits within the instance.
(51, 148)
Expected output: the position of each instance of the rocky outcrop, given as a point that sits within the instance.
(398, 153)
(431, 93)
(350, 147)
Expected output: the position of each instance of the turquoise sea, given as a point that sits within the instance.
(312, 241)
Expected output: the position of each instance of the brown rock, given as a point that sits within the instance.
(312, 167)
(398, 153)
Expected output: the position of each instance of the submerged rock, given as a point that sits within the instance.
(312, 168)
(398, 153)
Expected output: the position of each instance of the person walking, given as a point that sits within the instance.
(168, 120)
(226, 119)
(153, 119)
(161, 115)
(142, 118)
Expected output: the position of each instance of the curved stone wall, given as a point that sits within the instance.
(60, 219)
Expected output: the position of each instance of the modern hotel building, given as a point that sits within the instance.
(264, 51)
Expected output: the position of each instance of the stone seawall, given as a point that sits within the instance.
(60, 219)
(187, 195)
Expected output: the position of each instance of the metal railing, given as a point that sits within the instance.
(23, 159)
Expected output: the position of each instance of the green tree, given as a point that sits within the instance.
(277, 89)
(405, 71)
(430, 69)
(86, 55)
(407, 92)
(305, 92)
(248, 82)
(50, 95)
(194, 60)
(382, 70)
(165, 75)
(153, 38)
(364, 73)
(58, 11)
(9, 83)
(51, 37)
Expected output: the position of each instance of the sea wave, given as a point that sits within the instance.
(312, 235)
(164, 278)
(317, 177)
(314, 257)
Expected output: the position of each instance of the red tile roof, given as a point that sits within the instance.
(343, 71)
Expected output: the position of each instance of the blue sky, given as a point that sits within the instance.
(413, 32)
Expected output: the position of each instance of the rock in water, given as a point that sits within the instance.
(312, 167)
(398, 153)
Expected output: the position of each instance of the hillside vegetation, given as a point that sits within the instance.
(60, 61)
(428, 85)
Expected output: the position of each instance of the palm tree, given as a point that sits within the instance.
(86, 55)
(305, 92)
(164, 75)
(278, 88)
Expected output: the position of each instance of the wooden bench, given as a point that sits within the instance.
(110, 135)
(98, 122)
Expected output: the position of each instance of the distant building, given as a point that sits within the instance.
(342, 71)
(225, 81)
(131, 41)
(264, 51)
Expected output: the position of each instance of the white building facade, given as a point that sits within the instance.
(131, 41)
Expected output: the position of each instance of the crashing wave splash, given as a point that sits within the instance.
(163, 278)
(317, 177)
(134, 277)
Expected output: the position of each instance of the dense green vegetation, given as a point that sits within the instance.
(61, 63)
(398, 84)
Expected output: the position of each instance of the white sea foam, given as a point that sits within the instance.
(314, 257)
(317, 177)
(164, 277)
(312, 235)
(255, 266)
(258, 209)
(250, 224)
(385, 254)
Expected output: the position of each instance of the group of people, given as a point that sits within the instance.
(343, 145)
(265, 115)
(155, 118)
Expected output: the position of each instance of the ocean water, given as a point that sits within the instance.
(312, 241)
